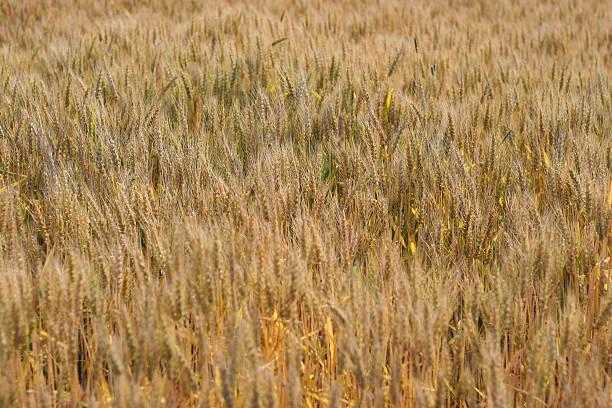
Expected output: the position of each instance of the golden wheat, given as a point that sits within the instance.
(305, 203)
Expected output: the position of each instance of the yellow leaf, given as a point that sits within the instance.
(274, 86)
(332, 342)
(449, 386)
(480, 393)
(412, 247)
(388, 103)
(15, 184)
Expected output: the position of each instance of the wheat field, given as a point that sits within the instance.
(304, 203)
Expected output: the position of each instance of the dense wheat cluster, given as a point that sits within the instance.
(293, 203)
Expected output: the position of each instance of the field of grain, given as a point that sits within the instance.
(304, 203)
